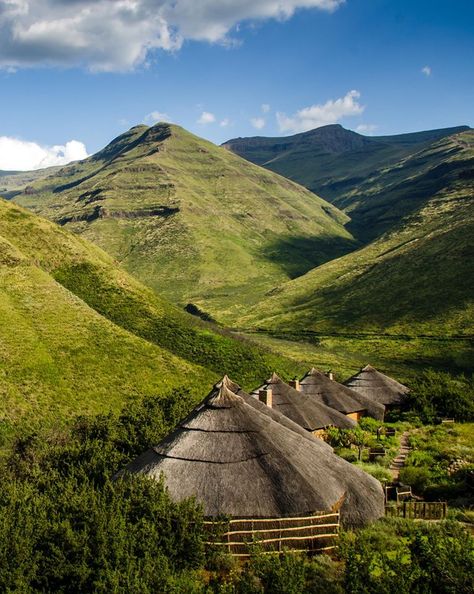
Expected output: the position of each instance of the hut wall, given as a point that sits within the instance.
(356, 416)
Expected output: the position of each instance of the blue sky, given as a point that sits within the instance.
(86, 71)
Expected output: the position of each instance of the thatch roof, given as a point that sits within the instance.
(377, 386)
(302, 409)
(238, 461)
(331, 393)
(271, 412)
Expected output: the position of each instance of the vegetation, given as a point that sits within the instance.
(78, 334)
(441, 464)
(435, 395)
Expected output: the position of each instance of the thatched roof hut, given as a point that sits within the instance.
(238, 461)
(378, 387)
(302, 409)
(273, 413)
(331, 393)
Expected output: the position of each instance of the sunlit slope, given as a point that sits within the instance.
(78, 334)
(191, 220)
(416, 279)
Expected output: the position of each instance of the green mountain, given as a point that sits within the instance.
(190, 219)
(375, 180)
(417, 276)
(78, 334)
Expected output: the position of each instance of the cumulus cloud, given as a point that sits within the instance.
(206, 118)
(156, 116)
(224, 123)
(321, 115)
(115, 35)
(366, 128)
(426, 70)
(258, 123)
(265, 107)
(21, 155)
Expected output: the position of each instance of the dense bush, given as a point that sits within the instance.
(436, 394)
(67, 526)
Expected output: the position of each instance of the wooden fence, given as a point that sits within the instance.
(317, 532)
(418, 510)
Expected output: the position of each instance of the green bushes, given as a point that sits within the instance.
(390, 557)
(66, 526)
(436, 394)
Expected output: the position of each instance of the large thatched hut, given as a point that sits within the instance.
(378, 387)
(331, 393)
(305, 411)
(237, 461)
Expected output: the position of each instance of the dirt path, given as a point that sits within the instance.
(399, 461)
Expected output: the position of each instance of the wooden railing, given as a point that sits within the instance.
(418, 510)
(317, 532)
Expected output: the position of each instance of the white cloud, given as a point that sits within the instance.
(321, 115)
(258, 123)
(206, 118)
(21, 155)
(117, 35)
(156, 116)
(366, 128)
(426, 70)
(265, 107)
(224, 123)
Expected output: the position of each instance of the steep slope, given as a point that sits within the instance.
(370, 178)
(78, 334)
(417, 278)
(191, 220)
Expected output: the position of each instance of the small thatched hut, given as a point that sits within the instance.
(331, 393)
(264, 408)
(378, 387)
(239, 462)
(307, 412)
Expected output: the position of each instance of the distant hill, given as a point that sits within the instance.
(78, 334)
(190, 219)
(417, 276)
(15, 182)
(376, 180)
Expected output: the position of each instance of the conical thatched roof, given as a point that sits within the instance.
(331, 393)
(271, 412)
(302, 409)
(377, 386)
(238, 461)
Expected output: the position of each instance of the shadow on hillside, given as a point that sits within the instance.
(298, 255)
(387, 209)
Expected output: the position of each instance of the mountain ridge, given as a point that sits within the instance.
(194, 222)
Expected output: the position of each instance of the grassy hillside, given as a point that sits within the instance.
(191, 220)
(417, 279)
(369, 178)
(78, 334)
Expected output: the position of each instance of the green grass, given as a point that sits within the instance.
(78, 334)
(441, 463)
(191, 220)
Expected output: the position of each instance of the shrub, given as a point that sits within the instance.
(416, 477)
